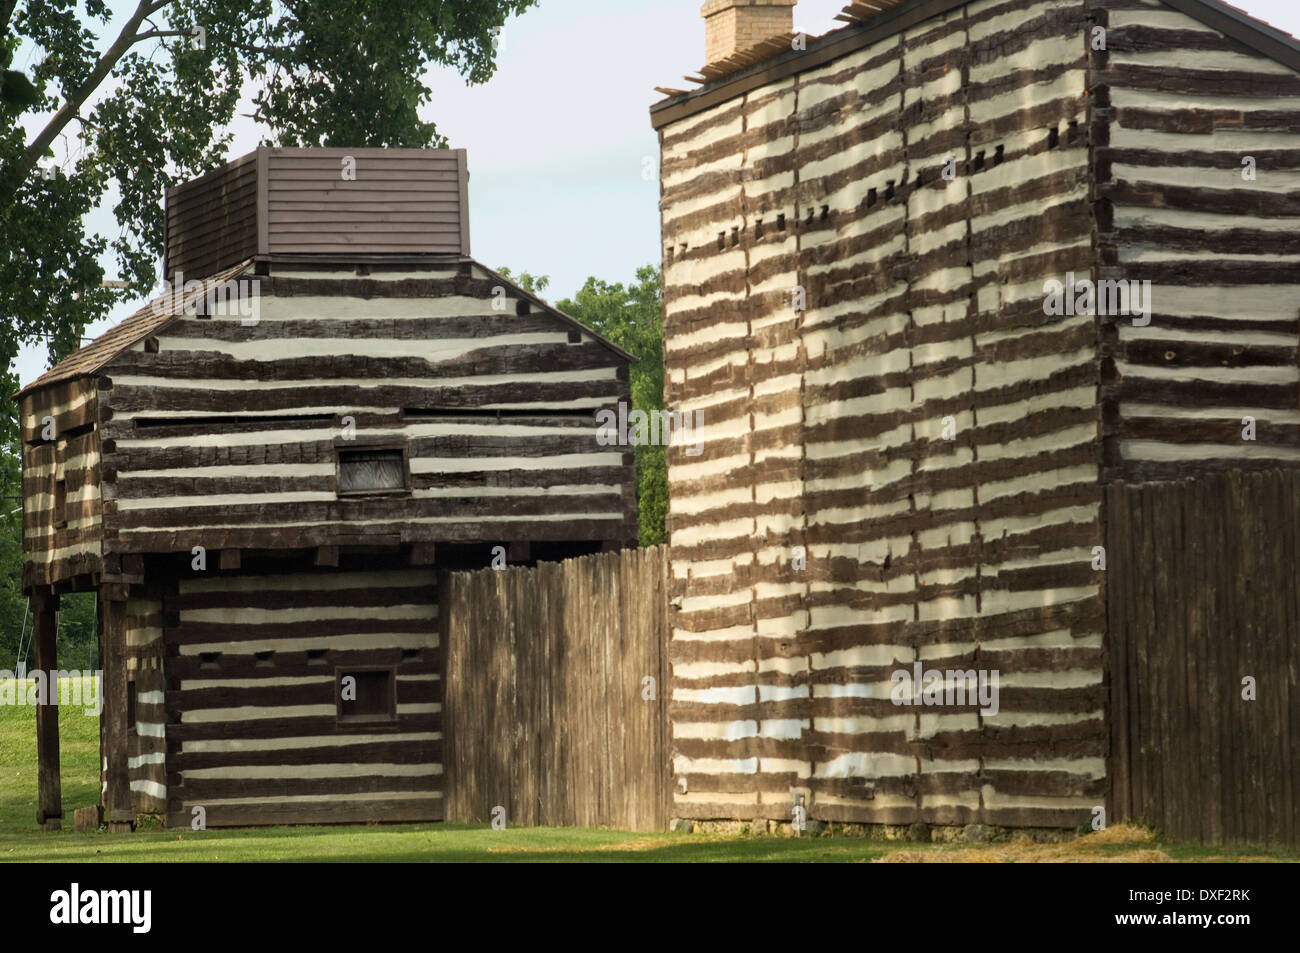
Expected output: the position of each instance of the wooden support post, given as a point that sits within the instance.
(118, 813)
(518, 551)
(422, 554)
(49, 793)
(229, 559)
(327, 556)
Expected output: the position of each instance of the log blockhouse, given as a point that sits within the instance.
(262, 472)
(905, 451)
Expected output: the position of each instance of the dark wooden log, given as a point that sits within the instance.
(118, 813)
(395, 810)
(422, 554)
(49, 798)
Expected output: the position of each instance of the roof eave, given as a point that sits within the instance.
(129, 341)
(556, 312)
(1256, 34)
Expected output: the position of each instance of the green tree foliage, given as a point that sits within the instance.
(12, 601)
(632, 317)
(149, 101)
(533, 284)
(77, 644)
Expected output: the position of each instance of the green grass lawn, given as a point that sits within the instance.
(78, 757)
(21, 840)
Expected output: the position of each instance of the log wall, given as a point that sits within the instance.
(1202, 595)
(146, 685)
(1184, 106)
(60, 545)
(251, 671)
(226, 435)
(824, 430)
(548, 712)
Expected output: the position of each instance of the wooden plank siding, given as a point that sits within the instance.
(251, 687)
(212, 221)
(226, 435)
(823, 429)
(1215, 601)
(1184, 105)
(549, 714)
(401, 201)
(303, 202)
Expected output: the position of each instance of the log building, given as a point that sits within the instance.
(261, 473)
(906, 444)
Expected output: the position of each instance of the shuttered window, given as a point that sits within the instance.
(368, 470)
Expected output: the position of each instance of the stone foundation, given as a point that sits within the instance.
(919, 832)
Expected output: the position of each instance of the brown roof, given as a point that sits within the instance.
(150, 319)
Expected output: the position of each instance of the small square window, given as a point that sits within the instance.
(367, 695)
(363, 471)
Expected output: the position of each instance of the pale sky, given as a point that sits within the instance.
(559, 140)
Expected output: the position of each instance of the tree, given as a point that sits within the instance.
(533, 284)
(632, 317)
(153, 103)
(12, 601)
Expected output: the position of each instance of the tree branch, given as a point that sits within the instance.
(153, 33)
(23, 167)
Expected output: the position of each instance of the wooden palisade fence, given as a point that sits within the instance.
(1202, 593)
(546, 711)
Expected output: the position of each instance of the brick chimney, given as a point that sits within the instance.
(734, 25)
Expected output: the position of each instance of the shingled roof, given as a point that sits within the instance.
(150, 319)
